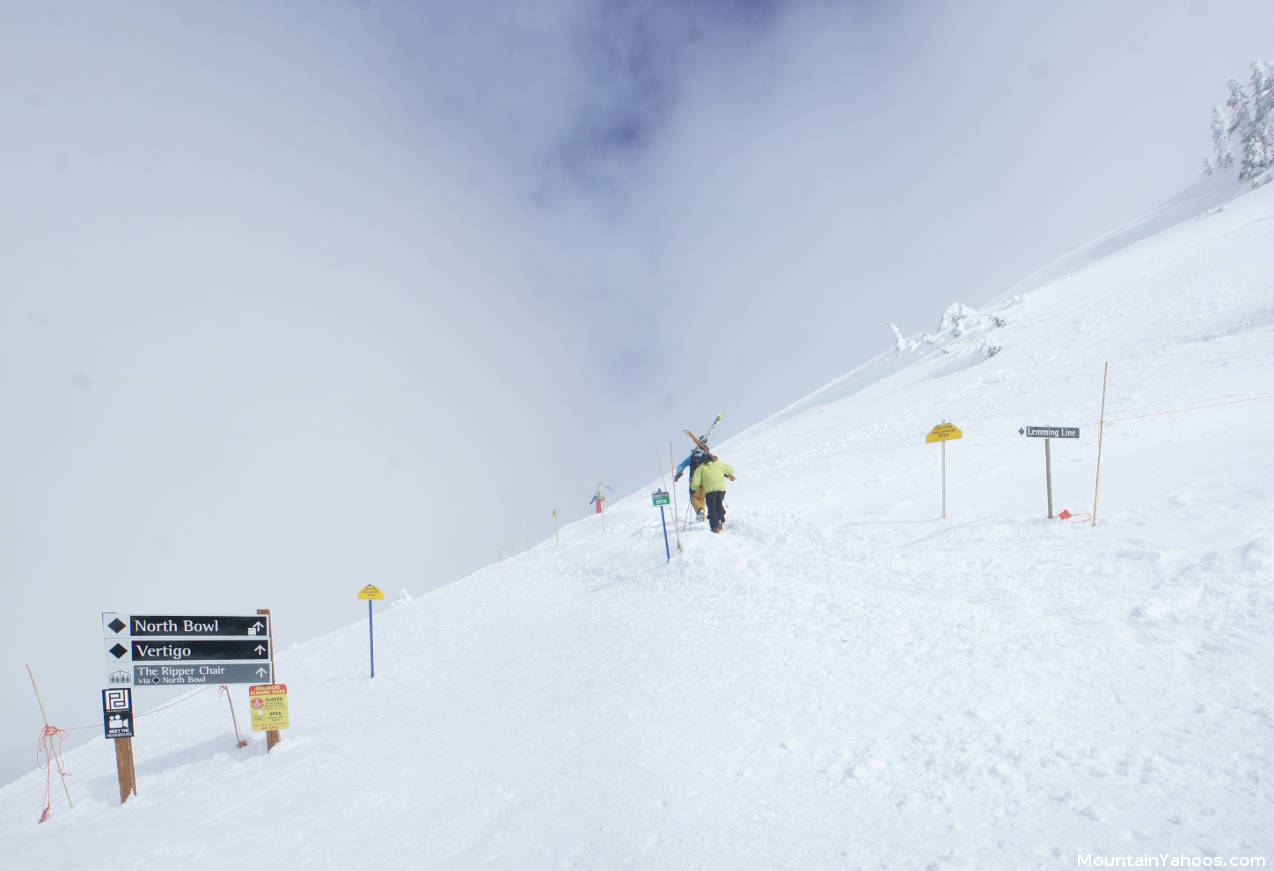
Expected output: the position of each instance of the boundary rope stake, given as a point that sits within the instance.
(1101, 421)
(47, 737)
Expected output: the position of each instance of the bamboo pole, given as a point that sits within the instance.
(659, 464)
(672, 473)
(48, 741)
(554, 529)
(240, 742)
(1101, 423)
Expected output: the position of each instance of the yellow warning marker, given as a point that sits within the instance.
(944, 432)
(370, 592)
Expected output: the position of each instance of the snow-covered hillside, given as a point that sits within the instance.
(842, 679)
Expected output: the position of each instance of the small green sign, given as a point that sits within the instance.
(660, 497)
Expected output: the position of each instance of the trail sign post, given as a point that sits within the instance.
(369, 592)
(944, 432)
(176, 650)
(661, 498)
(1048, 433)
(117, 722)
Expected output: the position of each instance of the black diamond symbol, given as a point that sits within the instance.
(119, 650)
(116, 624)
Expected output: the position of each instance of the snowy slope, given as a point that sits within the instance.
(1207, 194)
(842, 679)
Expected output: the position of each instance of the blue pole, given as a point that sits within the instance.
(371, 643)
(662, 520)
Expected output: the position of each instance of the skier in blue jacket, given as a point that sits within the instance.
(695, 460)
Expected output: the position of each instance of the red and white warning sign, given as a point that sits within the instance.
(269, 703)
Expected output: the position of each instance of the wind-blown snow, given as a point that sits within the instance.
(840, 680)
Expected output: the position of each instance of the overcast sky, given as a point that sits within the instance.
(298, 297)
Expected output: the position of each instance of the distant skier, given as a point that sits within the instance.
(599, 497)
(711, 477)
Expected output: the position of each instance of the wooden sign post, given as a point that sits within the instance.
(272, 736)
(944, 432)
(124, 768)
(117, 721)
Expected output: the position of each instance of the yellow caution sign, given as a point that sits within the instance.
(269, 703)
(370, 592)
(944, 432)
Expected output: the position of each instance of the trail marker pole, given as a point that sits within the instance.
(370, 592)
(944, 432)
(554, 529)
(48, 739)
(1101, 424)
(660, 498)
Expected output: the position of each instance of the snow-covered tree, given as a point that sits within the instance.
(1258, 138)
(1220, 142)
(1243, 128)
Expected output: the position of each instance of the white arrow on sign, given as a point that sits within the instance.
(258, 626)
(261, 672)
(259, 649)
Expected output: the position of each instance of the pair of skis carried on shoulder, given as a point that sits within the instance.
(702, 441)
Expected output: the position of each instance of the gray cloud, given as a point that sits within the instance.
(303, 297)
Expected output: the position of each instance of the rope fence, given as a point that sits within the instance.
(47, 753)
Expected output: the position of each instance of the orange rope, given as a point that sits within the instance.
(138, 716)
(178, 702)
(1193, 408)
(45, 753)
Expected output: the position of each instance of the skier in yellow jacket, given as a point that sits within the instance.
(711, 476)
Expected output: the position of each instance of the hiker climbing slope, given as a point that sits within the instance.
(712, 476)
(699, 455)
